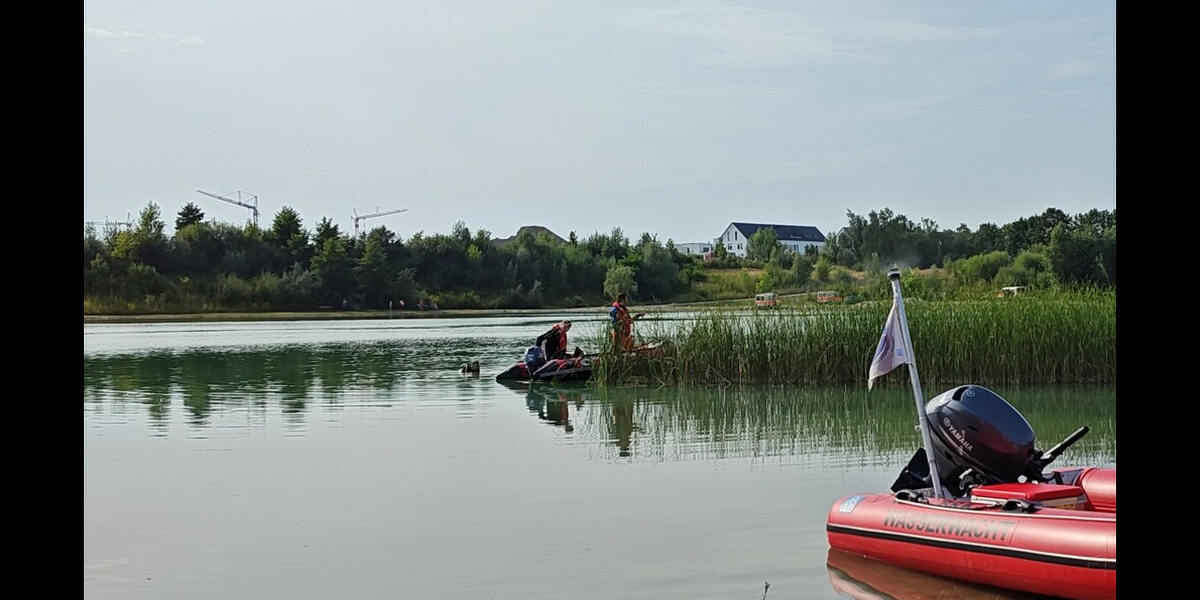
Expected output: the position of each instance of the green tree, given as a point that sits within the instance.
(658, 273)
(761, 244)
(91, 245)
(148, 240)
(198, 249)
(333, 267)
(766, 281)
(979, 268)
(719, 250)
(1108, 253)
(619, 278)
(288, 234)
(189, 214)
(1076, 256)
(821, 268)
(1030, 268)
(371, 273)
(802, 268)
(286, 226)
(325, 230)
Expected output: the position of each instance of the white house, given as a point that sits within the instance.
(794, 237)
(699, 248)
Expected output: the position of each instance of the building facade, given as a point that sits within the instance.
(797, 238)
(697, 248)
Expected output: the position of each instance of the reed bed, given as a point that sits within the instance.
(1066, 338)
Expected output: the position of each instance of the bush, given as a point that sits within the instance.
(981, 267)
(459, 299)
(821, 269)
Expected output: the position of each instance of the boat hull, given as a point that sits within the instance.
(1067, 553)
(555, 370)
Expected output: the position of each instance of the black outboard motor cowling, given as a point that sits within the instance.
(972, 427)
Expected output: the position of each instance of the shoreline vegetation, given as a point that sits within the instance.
(1059, 327)
(214, 267)
(1068, 338)
(410, 313)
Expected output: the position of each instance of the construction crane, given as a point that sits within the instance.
(358, 217)
(253, 197)
(112, 225)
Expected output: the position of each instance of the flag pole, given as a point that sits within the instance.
(894, 277)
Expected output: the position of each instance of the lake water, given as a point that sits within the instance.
(351, 459)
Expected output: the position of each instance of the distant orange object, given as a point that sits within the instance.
(767, 300)
(828, 297)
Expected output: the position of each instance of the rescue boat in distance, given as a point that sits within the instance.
(1005, 521)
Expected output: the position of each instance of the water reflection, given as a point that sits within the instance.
(861, 578)
(552, 403)
(848, 427)
(288, 374)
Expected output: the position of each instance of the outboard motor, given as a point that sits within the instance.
(978, 439)
(974, 428)
(535, 357)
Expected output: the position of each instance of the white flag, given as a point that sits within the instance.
(892, 351)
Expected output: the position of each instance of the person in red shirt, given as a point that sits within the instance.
(555, 340)
(622, 323)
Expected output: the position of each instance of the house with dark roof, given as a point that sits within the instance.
(793, 237)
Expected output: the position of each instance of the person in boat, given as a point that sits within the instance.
(554, 342)
(622, 323)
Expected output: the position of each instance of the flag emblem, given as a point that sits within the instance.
(891, 351)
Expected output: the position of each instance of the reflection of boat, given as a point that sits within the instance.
(549, 403)
(1054, 533)
(865, 579)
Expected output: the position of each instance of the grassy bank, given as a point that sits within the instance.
(1066, 338)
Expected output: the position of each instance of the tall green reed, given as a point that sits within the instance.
(1067, 338)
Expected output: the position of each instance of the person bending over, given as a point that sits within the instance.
(554, 342)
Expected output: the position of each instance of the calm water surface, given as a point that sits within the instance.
(351, 459)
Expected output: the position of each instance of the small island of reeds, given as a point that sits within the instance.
(1068, 337)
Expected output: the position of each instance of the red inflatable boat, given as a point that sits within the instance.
(1030, 545)
(1004, 521)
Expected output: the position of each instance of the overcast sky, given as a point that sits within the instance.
(673, 117)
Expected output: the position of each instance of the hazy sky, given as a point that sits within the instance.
(673, 117)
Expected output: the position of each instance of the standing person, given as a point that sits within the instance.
(555, 340)
(622, 323)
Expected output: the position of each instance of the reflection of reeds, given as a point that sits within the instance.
(843, 425)
(1070, 338)
(849, 426)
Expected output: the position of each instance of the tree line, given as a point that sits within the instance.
(1042, 251)
(209, 265)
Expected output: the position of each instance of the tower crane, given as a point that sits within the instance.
(377, 213)
(111, 225)
(253, 198)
